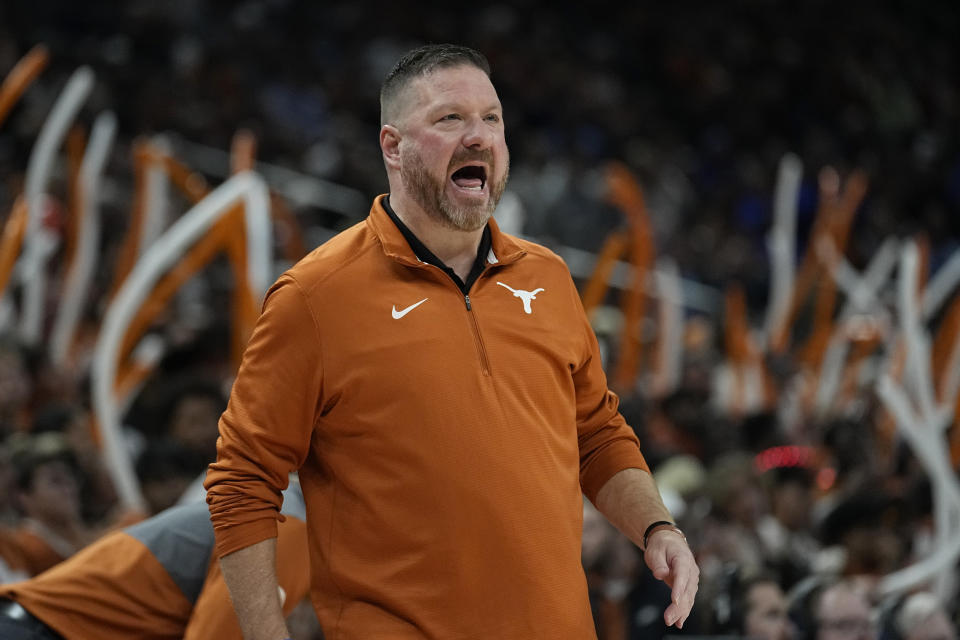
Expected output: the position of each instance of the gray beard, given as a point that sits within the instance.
(431, 194)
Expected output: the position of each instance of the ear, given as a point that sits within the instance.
(390, 145)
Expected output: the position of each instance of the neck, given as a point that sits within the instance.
(457, 249)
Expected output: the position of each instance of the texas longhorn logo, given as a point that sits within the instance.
(525, 296)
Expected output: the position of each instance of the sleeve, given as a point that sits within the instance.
(266, 430)
(607, 443)
(213, 615)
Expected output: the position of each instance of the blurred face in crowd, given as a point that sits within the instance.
(194, 423)
(792, 503)
(746, 501)
(163, 493)
(844, 614)
(453, 156)
(766, 616)
(53, 495)
(923, 617)
(873, 550)
(937, 627)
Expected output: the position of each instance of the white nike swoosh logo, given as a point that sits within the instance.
(399, 314)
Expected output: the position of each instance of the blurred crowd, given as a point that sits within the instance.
(794, 521)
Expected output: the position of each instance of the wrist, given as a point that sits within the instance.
(658, 526)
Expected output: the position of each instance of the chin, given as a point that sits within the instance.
(466, 218)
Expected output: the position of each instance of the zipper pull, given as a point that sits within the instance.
(466, 298)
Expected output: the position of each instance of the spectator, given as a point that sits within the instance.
(729, 533)
(192, 411)
(765, 612)
(833, 610)
(156, 580)
(166, 469)
(919, 616)
(866, 527)
(754, 607)
(785, 531)
(48, 497)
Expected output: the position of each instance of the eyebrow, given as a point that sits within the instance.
(453, 106)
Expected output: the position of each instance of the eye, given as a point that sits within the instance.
(493, 117)
(451, 116)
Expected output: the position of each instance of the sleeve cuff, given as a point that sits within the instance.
(238, 537)
(614, 458)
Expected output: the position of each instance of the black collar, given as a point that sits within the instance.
(425, 255)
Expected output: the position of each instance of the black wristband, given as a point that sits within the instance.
(659, 523)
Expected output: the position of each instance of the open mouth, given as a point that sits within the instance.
(471, 177)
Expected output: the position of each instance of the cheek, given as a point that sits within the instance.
(430, 149)
(503, 159)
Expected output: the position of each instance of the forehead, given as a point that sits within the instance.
(764, 594)
(840, 600)
(456, 85)
(52, 469)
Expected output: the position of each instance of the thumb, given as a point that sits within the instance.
(658, 566)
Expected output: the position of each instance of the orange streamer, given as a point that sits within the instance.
(23, 73)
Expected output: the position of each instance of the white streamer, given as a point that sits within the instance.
(157, 188)
(782, 242)
(36, 249)
(158, 259)
(924, 431)
(670, 323)
(80, 274)
(940, 286)
(917, 371)
(862, 298)
(930, 451)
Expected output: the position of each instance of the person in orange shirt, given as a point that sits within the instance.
(438, 386)
(155, 580)
(47, 494)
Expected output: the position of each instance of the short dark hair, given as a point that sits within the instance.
(731, 606)
(804, 600)
(421, 61)
(32, 452)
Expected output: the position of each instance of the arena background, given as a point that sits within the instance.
(752, 344)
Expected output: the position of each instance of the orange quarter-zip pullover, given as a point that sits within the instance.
(442, 439)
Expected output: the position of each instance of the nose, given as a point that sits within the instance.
(478, 134)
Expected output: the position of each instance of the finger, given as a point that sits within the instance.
(686, 584)
(657, 561)
(662, 573)
(684, 592)
(671, 614)
(681, 580)
(676, 615)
